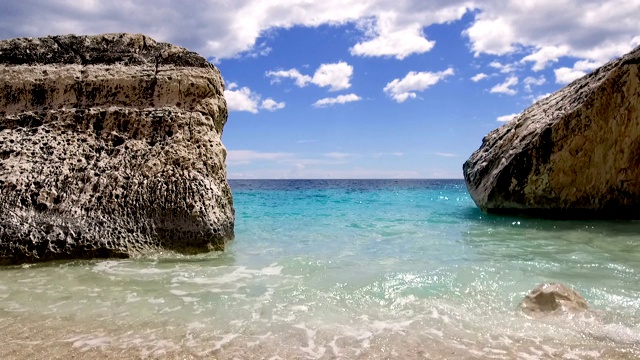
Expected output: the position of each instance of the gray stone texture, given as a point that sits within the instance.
(110, 146)
(575, 153)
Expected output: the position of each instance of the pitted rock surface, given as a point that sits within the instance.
(110, 146)
(553, 298)
(575, 153)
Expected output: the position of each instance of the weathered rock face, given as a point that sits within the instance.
(109, 147)
(574, 153)
(553, 298)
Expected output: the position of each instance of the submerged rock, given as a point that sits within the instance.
(110, 146)
(553, 298)
(575, 153)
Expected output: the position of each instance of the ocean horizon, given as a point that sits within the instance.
(341, 269)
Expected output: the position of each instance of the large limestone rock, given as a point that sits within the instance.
(553, 299)
(109, 147)
(574, 153)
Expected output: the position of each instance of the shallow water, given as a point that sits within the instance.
(340, 269)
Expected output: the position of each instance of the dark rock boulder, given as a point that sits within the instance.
(110, 146)
(575, 153)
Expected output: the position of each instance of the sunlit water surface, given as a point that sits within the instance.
(340, 269)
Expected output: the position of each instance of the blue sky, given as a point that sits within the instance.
(363, 89)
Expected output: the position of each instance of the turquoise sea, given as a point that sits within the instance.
(340, 269)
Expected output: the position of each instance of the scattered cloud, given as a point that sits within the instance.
(258, 50)
(549, 29)
(399, 43)
(503, 68)
(383, 154)
(300, 171)
(540, 97)
(240, 157)
(243, 99)
(396, 31)
(402, 89)
(545, 55)
(340, 99)
(444, 154)
(565, 75)
(505, 87)
(337, 165)
(491, 34)
(532, 81)
(271, 105)
(336, 76)
(542, 30)
(338, 155)
(300, 80)
(479, 77)
(506, 118)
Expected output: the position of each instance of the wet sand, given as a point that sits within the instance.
(24, 338)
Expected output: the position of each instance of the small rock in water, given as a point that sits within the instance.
(553, 298)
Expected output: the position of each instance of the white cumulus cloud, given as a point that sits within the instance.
(402, 89)
(243, 99)
(506, 87)
(271, 105)
(479, 77)
(540, 97)
(544, 55)
(504, 68)
(548, 29)
(336, 76)
(399, 43)
(300, 80)
(340, 99)
(538, 31)
(532, 81)
(506, 118)
(394, 29)
(565, 75)
(224, 29)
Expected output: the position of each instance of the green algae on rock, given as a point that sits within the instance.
(110, 146)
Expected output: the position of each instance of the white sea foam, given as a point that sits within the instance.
(53, 306)
(88, 342)
(189, 299)
(616, 333)
(178, 292)
(226, 338)
(312, 350)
